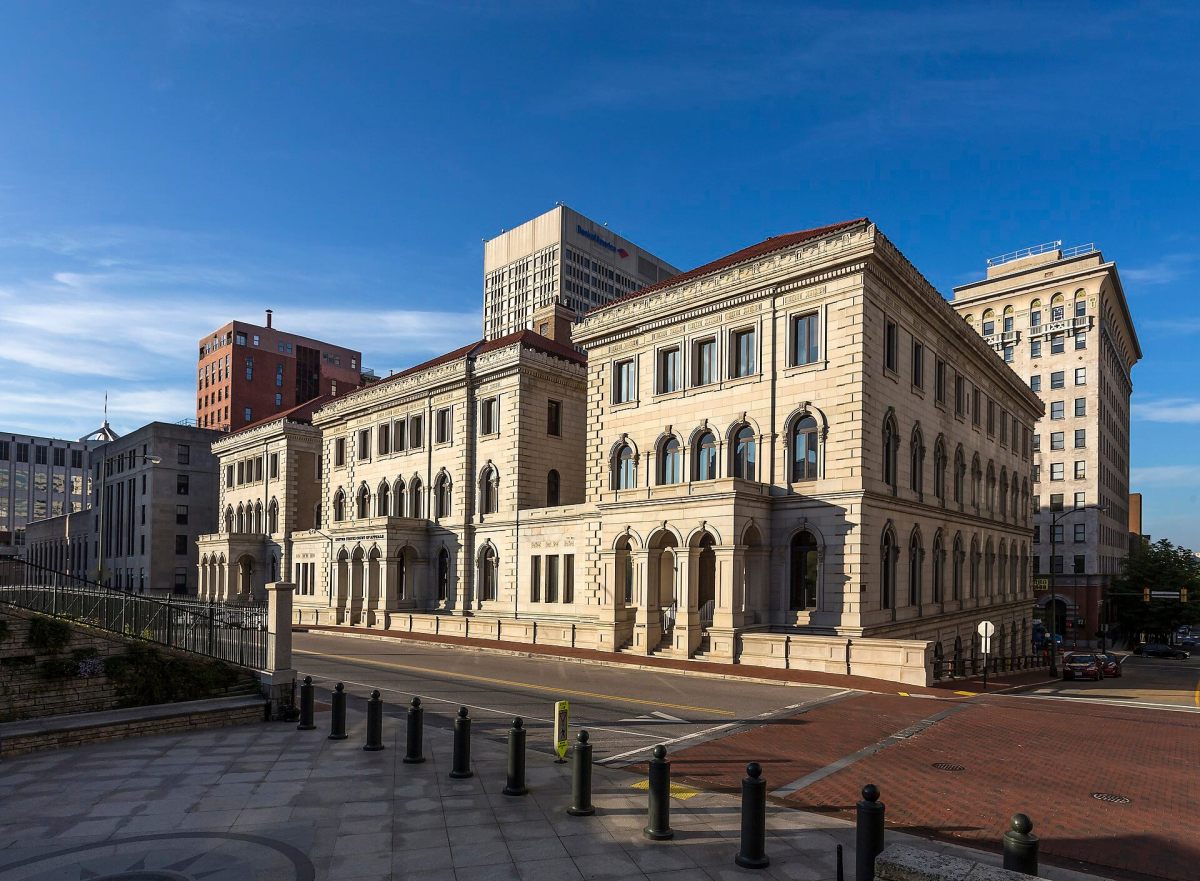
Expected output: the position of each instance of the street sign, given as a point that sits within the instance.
(1041, 584)
(985, 631)
(562, 718)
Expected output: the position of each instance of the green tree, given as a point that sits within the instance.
(1161, 566)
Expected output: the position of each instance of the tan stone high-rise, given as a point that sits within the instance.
(1059, 318)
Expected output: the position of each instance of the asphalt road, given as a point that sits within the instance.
(1145, 682)
(626, 711)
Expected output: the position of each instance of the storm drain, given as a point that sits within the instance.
(1109, 798)
(948, 766)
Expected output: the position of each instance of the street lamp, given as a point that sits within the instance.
(1050, 605)
(144, 459)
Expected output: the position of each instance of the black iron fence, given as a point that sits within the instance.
(231, 632)
(966, 666)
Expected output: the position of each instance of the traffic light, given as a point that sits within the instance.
(1145, 594)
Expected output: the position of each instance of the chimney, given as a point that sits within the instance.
(268, 318)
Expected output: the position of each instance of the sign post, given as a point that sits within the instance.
(562, 720)
(985, 631)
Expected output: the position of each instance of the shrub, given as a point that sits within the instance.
(143, 675)
(47, 635)
(58, 668)
(16, 662)
(4, 632)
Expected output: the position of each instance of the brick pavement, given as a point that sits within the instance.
(1044, 758)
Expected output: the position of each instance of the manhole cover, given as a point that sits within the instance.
(948, 766)
(1109, 798)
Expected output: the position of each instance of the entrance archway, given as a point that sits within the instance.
(245, 575)
(706, 579)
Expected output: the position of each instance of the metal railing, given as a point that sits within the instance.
(966, 666)
(233, 633)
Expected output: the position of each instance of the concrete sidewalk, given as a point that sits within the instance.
(270, 802)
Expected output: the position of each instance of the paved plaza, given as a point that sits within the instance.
(269, 802)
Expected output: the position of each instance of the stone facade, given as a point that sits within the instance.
(795, 456)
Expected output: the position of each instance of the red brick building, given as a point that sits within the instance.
(247, 373)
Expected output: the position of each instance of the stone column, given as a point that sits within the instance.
(279, 678)
(687, 634)
(647, 625)
(730, 594)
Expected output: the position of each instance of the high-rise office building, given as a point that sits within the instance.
(39, 477)
(560, 257)
(1059, 318)
(247, 372)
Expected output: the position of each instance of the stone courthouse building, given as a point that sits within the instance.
(797, 455)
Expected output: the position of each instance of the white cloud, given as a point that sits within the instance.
(1174, 410)
(1168, 269)
(1164, 475)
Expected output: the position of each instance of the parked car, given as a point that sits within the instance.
(1161, 650)
(1111, 664)
(1080, 665)
(1189, 642)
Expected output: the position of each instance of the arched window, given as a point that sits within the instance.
(624, 468)
(241, 519)
(989, 568)
(552, 488)
(489, 491)
(976, 482)
(273, 517)
(1002, 580)
(441, 496)
(916, 463)
(976, 557)
(745, 454)
(339, 506)
(989, 322)
(229, 518)
(443, 575)
(939, 470)
(383, 500)
(317, 515)
(1003, 493)
(939, 567)
(891, 448)
(487, 574)
(670, 461)
(1035, 313)
(364, 502)
(804, 449)
(1025, 500)
(889, 556)
(398, 497)
(1057, 304)
(960, 477)
(1008, 319)
(706, 456)
(956, 568)
(624, 569)
(804, 571)
(916, 562)
(416, 498)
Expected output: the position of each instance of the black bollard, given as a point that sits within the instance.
(337, 722)
(461, 768)
(581, 778)
(868, 843)
(658, 827)
(516, 759)
(307, 701)
(753, 852)
(841, 874)
(416, 732)
(1021, 846)
(374, 724)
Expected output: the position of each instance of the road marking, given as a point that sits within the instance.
(579, 723)
(1178, 708)
(678, 790)
(1196, 694)
(903, 693)
(967, 693)
(491, 681)
(656, 716)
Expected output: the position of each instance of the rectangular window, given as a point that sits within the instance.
(568, 578)
(1056, 502)
(1080, 376)
(989, 328)
(60, 457)
(1035, 348)
(1080, 532)
(181, 515)
(489, 416)
(441, 426)
(1003, 427)
(39, 455)
(1080, 308)
(76, 458)
(1056, 440)
(554, 418)
(624, 381)
(1080, 499)
(668, 370)
(181, 544)
(1057, 344)
(1058, 410)
(1080, 341)
(991, 418)
(416, 431)
(274, 472)
(1056, 564)
(228, 475)
(4, 451)
(1058, 379)
(535, 579)
(704, 359)
(1008, 354)
(22, 452)
(1056, 313)
(976, 406)
(1078, 564)
(1080, 469)
(247, 414)
(1057, 531)
(1035, 382)
(1037, 565)
(278, 400)
(1037, 443)
(1037, 534)
(183, 454)
(1081, 406)
(364, 444)
(400, 435)
(339, 452)
(181, 484)
(960, 395)
(552, 578)
(918, 364)
(240, 339)
(1080, 438)
(743, 352)
(939, 380)
(1057, 471)
(241, 473)
(891, 346)
(806, 345)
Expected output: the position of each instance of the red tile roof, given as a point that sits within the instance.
(299, 413)
(774, 243)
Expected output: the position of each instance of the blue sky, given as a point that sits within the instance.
(165, 167)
